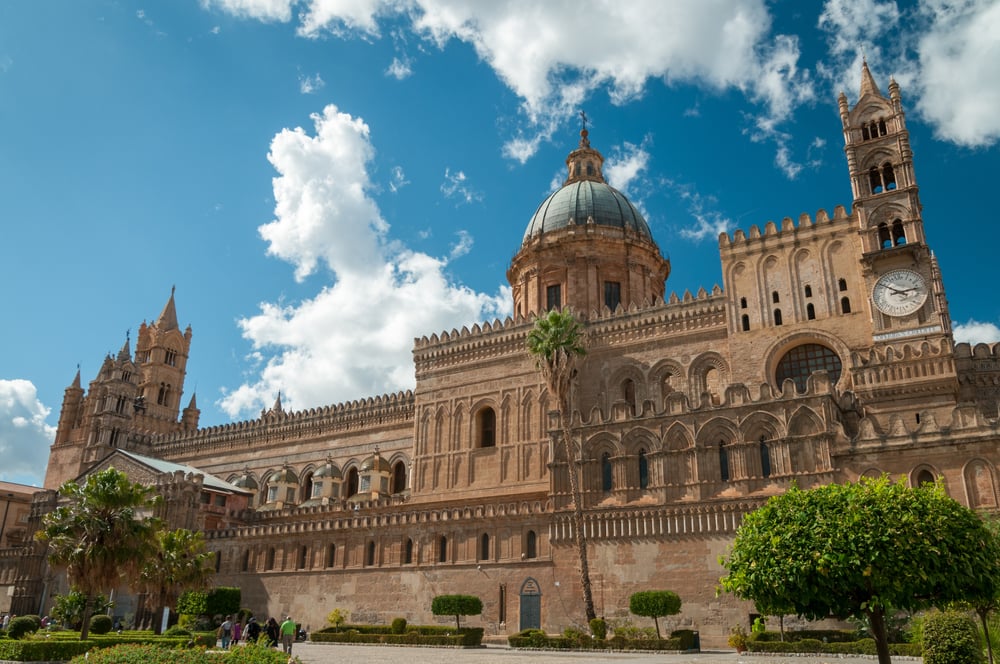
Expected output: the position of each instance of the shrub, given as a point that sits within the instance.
(951, 638)
(100, 624)
(42, 650)
(256, 654)
(599, 628)
(688, 637)
(399, 626)
(222, 601)
(176, 630)
(21, 626)
(337, 618)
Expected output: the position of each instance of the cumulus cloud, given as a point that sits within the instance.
(24, 436)
(709, 222)
(721, 45)
(399, 69)
(355, 336)
(261, 10)
(945, 54)
(976, 332)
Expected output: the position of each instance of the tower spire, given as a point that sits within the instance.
(168, 317)
(868, 84)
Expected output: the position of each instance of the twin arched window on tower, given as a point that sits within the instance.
(874, 129)
(882, 179)
(891, 236)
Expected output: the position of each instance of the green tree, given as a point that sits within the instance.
(653, 604)
(100, 533)
(180, 563)
(858, 550)
(456, 605)
(68, 608)
(556, 342)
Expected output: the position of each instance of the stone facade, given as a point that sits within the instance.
(826, 355)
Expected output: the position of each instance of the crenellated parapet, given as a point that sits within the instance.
(978, 370)
(373, 412)
(900, 367)
(789, 231)
(482, 343)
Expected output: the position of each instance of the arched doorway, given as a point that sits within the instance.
(531, 605)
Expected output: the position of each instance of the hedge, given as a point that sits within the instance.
(538, 639)
(43, 650)
(414, 635)
(860, 647)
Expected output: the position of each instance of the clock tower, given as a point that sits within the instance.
(903, 283)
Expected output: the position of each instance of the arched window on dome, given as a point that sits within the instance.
(612, 294)
(801, 361)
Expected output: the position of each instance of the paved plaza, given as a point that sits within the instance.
(314, 653)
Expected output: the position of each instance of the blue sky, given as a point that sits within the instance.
(324, 180)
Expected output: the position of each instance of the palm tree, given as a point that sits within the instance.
(100, 534)
(556, 341)
(180, 563)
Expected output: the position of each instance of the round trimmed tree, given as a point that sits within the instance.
(655, 604)
(456, 605)
(860, 550)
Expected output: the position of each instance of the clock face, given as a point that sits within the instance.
(900, 292)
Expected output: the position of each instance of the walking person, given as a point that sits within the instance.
(237, 631)
(288, 630)
(272, 631)
(226, 632)
(252, 630)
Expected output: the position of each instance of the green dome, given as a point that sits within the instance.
(578, 202)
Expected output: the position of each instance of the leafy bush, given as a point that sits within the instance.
(255, 654)
(951, 638)
(177, 631)
(42, 650)
(399, 626)
(222, 601)
(193, 603)
(101, 624)
(688, 637)
(599, 628)
(21, 626)
(337, 618)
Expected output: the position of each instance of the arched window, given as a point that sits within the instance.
(875, 180)
(842, 284)
(800, 362)
(723, 462)
(884, 240)
(774, 297)
(925, 477)
(777, 316)
(303, 555)
(486, 419)
(865, 133)
(745, 322)
(245, 561)
(765, 459)
(484, 547)
(370, 554)
(643, 470)
(270, 559)
(443, 549)
(590, 168)
(606, 476)
(398, 477)
(810, 311)
(531, 545)
(888, 177)
(743, 303)
(331, 555)
(898, 235)
(628, 393)
(809, 290)
(218, 560)
(307, 490)
(882, 131)
(845, 305)
(408, 552)
(352, 482)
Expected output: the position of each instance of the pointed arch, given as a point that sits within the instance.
(980, 484)
(677, 438)
(668, 376)
(805, 422)
(760, 424)
(709, 374)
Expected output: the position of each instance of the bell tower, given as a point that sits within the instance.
(903, 282)
(162, 353)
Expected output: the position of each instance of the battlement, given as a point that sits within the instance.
(978, 352)
(789, 228)
(386, 409)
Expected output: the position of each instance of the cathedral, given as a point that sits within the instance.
(827, 355)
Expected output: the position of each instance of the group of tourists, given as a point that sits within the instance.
(232, 632)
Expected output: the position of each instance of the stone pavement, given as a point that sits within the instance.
(316, 653)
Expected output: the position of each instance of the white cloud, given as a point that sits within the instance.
(456, 185)
(709, 222)
(398, 180)
(24, 436)
(261, 10)
(536, 50)
(310, 84)
(399, 69)
(960, 71)
(355, 336)
(976, 332)
(625, 165)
